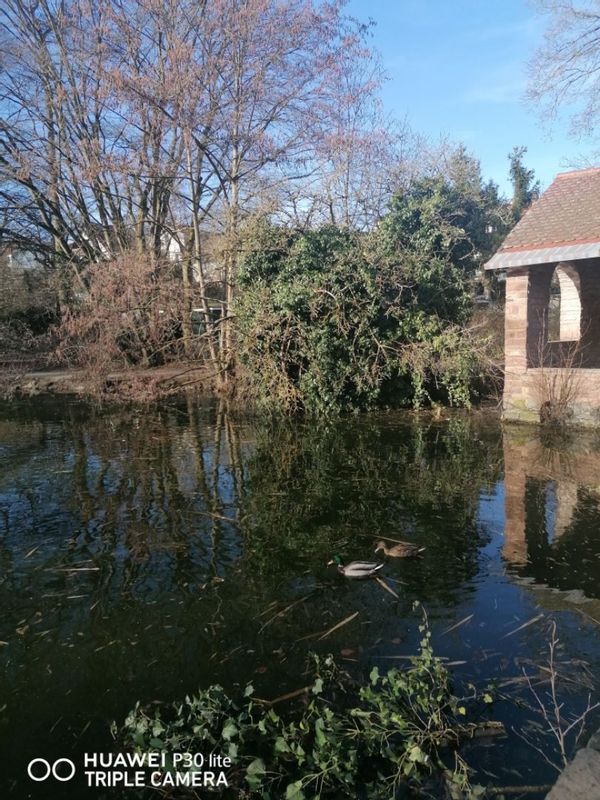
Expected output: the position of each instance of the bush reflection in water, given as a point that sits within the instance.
(145, 553)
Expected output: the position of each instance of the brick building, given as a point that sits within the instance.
(552, 317)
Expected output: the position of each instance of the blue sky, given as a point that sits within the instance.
(458, 68)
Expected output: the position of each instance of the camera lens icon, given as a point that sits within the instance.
(40, 770)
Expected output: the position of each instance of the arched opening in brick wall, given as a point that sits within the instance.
(564, 305)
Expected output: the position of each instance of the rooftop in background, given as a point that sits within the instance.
(563, 225)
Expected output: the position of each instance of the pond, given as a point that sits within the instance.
(145, 553)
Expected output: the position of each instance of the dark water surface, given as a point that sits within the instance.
(140, 550)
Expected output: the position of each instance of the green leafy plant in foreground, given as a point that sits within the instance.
(401, 727)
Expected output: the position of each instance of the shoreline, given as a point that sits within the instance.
(81, 383)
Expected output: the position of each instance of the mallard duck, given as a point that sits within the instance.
(400, 550)
(356, 569)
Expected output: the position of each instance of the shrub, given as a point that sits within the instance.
(129, 314)
(402, 726)
(331, 320)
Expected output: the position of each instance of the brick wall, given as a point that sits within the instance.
(515, 320)
(532, 376)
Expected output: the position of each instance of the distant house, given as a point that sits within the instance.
(18, 259)
(552, 318)
(23, 280)
(212, 271)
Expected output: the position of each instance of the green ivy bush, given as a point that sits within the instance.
(331, 320)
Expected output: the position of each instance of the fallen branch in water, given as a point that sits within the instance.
(458, 624)
(387, 588)
(500, 790)
(323, 634)
(339, 625)
(284, 611)
(551, 709)
(524, 625)
(283, 697)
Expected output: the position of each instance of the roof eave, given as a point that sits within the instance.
(543, 255)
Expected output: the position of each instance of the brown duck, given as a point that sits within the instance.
(400, 549)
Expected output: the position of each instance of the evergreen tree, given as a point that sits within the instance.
(525, 188)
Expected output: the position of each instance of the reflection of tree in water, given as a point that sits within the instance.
(107, 554)
(126, 509)
(115, 495)
(159, 504)
(162, 502)
(146, 496)
(312, 491)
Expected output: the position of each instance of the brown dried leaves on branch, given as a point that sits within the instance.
(129, 319)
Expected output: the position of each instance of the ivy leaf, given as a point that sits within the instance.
(416, 755)
(281, 746)
(294, 791)
(320, 736)
(229, 731)
(254, 772)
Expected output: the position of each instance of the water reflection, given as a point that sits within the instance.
(552, 492)
(144, 553)
(155, 501)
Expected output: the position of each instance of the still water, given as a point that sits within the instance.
(146, 553)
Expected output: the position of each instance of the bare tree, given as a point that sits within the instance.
(85, 164)
(148, 126)
(565, 71)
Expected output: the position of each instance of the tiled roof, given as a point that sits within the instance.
(566, 220)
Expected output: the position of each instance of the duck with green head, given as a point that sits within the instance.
(356, 569)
